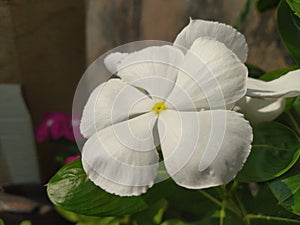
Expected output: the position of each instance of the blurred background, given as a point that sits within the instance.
(45, 47)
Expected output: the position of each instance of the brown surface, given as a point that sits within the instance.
(38, 194)
(42, 47)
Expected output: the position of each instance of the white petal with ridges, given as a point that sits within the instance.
(260, 110)
(212, 76)
(204, 149)
(113, 60)
(215, 30)
(141, 67)
(111, 161)
(112, 102)
(285, 86)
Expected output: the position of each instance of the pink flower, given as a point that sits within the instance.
(72, 158)
(55, 126)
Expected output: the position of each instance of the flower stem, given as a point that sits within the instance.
(210, 197)
(275, 218)
(222, 212)
(232, 207)
(294, 122)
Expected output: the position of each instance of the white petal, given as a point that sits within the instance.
(113, 60)
(218, 31)
(112, 162)
(286, 86)
(212, 76)
(204, 149)
(142, 68)
(260, 110)
(112, 102)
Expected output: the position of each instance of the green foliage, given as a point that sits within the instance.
(86, 220)
(263, 5)
(71, 190)
(153, 215)
(275, 150)
(277, 73)
(287, 191)
(295, 6)
(289, 29)
(25, 222)
(1, 222)
(254, 71)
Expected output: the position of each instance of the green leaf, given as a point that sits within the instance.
(71, 190)
(1, 222)
(263, 208)
(153, 215)
(287, 192)
(180, 222)
(277, 73)
(295, 6)
(289, 28)
(254, 71)
(263, 5)
(275, 150)
(25, 222)
(296, 105)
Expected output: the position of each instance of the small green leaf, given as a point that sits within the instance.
(153, 215)
(295, 6)
(275, 150)
(1, 222)
(254, 71)
(277, 73)
(289, 29)
(287, 192)
(263, 5)
(71, 190)
(25, 222)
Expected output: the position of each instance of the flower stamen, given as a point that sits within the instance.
(158, 107)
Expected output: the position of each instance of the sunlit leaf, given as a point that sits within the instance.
(275, 150)
(295, 6)
(289, 29)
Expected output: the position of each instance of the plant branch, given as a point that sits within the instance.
(275, 218)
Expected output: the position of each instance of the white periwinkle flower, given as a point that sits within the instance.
(264, 101)
(174, 99)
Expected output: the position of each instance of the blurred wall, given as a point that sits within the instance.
(114, 22)
(42, 46)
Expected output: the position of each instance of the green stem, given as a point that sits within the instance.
(231, 207)
(294, 122)
(263, 217)
(243, 209)
(210, 197)
(222, 212)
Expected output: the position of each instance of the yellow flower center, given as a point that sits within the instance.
(158, 107)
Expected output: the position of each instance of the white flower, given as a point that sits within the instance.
(264, 101)
(173, 99)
